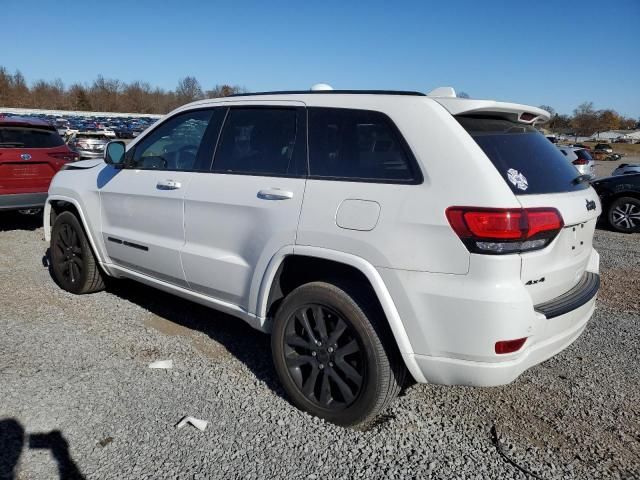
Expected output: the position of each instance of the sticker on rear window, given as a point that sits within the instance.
(518, 179)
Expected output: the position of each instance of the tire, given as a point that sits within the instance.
(354, 372)
(624, 215)
(73, 264)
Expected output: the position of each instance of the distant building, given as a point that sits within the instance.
(612, 135)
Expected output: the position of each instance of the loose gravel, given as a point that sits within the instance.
(77, 398)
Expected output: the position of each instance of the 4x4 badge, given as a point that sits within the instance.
(591, 205)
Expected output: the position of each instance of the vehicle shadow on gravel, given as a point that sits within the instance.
(19, 221)
(248, 345)
(12, 443)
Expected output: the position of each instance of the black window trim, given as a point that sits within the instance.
(130, 153)
(416, 172)
(301, 125)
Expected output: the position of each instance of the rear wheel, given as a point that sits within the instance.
(624, 215)
(73, 264)
(333, 354)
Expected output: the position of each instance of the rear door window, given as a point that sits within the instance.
(261, 141)
(583, 155)
(527, 161)
(358, 145)
(21, 137)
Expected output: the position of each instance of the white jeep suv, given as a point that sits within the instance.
(378, 236)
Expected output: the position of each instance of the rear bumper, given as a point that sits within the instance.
(454, 321)
(451, 371)
(20, 201)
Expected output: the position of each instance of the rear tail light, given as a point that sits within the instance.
(66, 156)
(509, 346)
(580, 161)
(498, 231)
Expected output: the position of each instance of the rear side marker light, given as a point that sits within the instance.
(498, 231)
(509, 346)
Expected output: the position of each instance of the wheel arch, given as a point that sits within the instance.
(57, 204)
(276, 285)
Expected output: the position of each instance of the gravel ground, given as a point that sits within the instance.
(604, 168)
(77, 398)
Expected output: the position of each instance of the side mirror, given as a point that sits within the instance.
(114, 153)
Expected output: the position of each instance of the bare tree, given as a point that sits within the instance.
(188, 90)
(585, 119)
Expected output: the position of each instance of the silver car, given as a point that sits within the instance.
(89, 145)
(626, 168)
(581, 159)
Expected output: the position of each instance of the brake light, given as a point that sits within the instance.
(580, 161)
(509, 346)
(66, 156)
(504, 230)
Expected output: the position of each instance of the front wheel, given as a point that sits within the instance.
(334, 355)
(624, 215)
(73, 264)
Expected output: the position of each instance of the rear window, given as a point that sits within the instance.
(528, 162)
(583, 155)
(21, 137)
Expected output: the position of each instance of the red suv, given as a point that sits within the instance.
(31, 152)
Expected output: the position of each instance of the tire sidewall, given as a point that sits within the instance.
(337, 299)
(68, 218)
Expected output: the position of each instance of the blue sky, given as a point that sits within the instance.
(558, 53)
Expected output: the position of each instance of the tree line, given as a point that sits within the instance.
(586, 120)
(110, 95)
(103, 94)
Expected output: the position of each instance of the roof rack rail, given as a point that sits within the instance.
(332, 92)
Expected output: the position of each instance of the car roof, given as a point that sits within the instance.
(362, 98)
(11, 121)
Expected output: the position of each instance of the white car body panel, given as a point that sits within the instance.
(214, 240)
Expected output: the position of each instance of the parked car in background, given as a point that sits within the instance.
(394, 264)
(581, 159)
(88, 144)
(626, 168)
(620, 197)
(31, 152)
(107, 132)
(581, 145)
(603, 148)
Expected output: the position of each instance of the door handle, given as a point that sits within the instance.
(168, 185)
(274, 194)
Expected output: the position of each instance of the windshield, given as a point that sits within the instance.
(21, 137)
(527, 161)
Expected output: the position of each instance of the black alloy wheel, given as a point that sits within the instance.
(323, 356)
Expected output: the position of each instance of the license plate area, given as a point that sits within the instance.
(577, 238)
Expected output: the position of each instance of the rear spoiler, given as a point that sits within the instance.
(513, 111)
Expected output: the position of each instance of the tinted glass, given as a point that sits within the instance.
(260, 141)
(583, 155)
(177, 144)
(356, 144)
(20, 137)
(527, 161)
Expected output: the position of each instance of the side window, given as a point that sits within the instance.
(359, 145)
(261, 141)
(184, 142)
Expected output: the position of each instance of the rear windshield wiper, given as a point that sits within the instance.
(581, 179)
(11, 144)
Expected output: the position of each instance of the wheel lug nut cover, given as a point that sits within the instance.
(321, 366)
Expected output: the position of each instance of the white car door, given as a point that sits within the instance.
(142, 204)
(238, 216)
